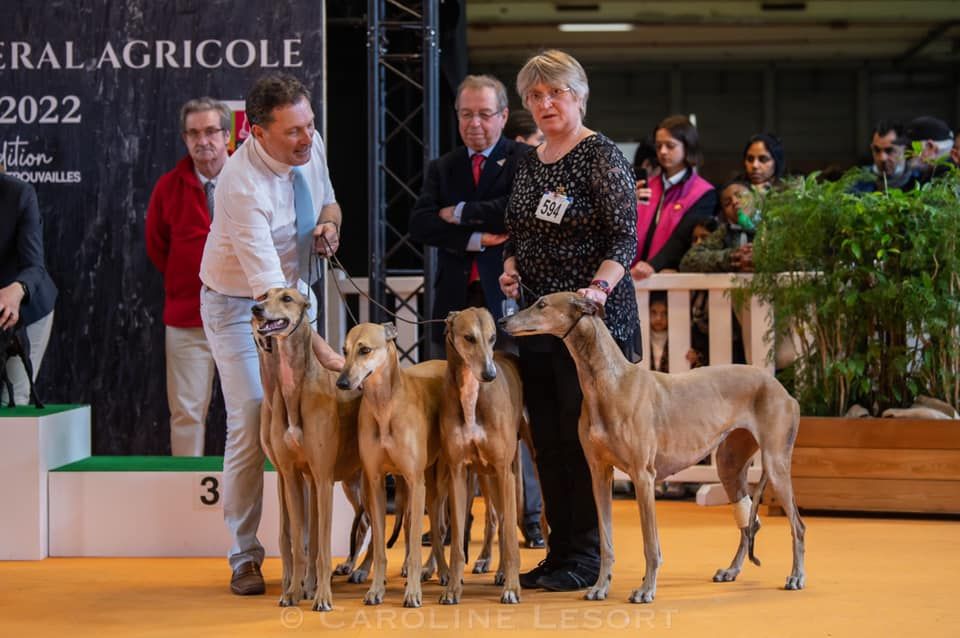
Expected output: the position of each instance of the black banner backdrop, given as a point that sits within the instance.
(90, 92)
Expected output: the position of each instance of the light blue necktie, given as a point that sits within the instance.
(306, 222)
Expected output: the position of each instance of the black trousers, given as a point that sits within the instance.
(553, 397)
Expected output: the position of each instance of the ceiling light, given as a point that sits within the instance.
(581, 27)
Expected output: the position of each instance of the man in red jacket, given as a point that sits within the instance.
(178, 220)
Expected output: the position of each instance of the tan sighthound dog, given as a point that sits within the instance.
(651, 424)
(398, 432)
(309, 432)
(480, 417)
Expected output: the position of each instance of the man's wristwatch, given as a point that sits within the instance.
(602, 285)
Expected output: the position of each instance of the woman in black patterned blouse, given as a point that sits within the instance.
(572, 224)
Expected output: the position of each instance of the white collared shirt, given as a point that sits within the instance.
(252, 245)
(670, 182)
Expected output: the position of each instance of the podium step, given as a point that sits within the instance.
(158, 506)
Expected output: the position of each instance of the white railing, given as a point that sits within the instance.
(755, 322)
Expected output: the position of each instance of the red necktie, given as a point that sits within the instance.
(477, 167)
(477, 160)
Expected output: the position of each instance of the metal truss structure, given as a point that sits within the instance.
(403, 75)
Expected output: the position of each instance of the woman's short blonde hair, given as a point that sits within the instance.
(556, 69)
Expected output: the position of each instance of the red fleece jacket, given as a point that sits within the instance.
(176, 230)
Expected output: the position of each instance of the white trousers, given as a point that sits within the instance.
(38, 333)
(190, 371)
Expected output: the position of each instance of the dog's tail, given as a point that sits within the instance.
(293, 438)
(754, 526)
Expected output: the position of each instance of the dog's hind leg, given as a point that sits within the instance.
(358, 530)
(485, 557)
(601, 475)
(733, 463)
(778, 469)
(437, 480)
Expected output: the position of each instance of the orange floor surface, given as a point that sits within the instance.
(865, 577)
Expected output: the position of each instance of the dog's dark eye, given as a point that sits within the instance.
(493, 338)
(365, 350)
(286, 299)
(541, 304)
(470, 339)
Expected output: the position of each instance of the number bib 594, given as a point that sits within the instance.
(552, 207)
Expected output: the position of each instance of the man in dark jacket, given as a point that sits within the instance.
(27, 294)
(178, 221)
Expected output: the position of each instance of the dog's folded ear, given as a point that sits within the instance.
(448, 322)
(389, 331)
(588, 306)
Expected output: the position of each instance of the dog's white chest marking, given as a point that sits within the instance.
(286, 374)
(473, 436)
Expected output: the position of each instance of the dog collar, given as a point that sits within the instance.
(570, 329)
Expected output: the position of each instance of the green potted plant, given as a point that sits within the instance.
(870, 285)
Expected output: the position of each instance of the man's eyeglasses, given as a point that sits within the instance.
(194, 134)
(538, 98)
(485, 116)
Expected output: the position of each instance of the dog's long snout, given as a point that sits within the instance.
(502, 322)
(343, 382)
(489, 372)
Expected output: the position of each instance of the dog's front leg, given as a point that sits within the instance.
(643, 481)
(323, 504)
(286, 551)
(376, 502)
(509, 543)
(601, 476)
(412, 595)
(310, 580)
(458, 518)
(293, 494)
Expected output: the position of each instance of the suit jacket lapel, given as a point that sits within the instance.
(461, 175)
(493, 166)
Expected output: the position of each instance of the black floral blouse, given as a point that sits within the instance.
(600, 223)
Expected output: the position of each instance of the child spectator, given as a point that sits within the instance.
(659, 353)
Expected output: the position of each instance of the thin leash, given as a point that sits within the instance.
(335, 261)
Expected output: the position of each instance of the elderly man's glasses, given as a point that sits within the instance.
(485, 116)
(538, 98)
(210, 131)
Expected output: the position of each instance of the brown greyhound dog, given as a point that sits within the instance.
(651, 424)
(309, 432)
(480, 418)
(398, 432)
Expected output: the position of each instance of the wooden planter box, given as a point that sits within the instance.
(876, 465)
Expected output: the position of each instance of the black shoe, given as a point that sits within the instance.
(247, 580)
(569, 577)
(530, 579)
(532, 538)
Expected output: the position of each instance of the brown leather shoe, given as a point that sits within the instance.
(247, 580)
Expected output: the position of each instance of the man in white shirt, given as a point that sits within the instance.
(277, 175)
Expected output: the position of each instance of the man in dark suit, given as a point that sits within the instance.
(27, 293)
(461, 211)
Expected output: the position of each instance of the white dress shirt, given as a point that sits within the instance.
(252, 245)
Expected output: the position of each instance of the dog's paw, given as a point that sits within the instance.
(403, 571)
(642, 595)
(373, 597)
(499, 579)
(290, 600)
(596, 593)
(444, 578)
(412, 599)
(482, 566)
(795, 582)
(342, 569)
(510, 597)
(450, 597)
(726, 575)
(322, 605)
(358, 576)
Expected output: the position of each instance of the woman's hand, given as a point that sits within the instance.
(641, 270)
(510, 279)
(594, 294)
